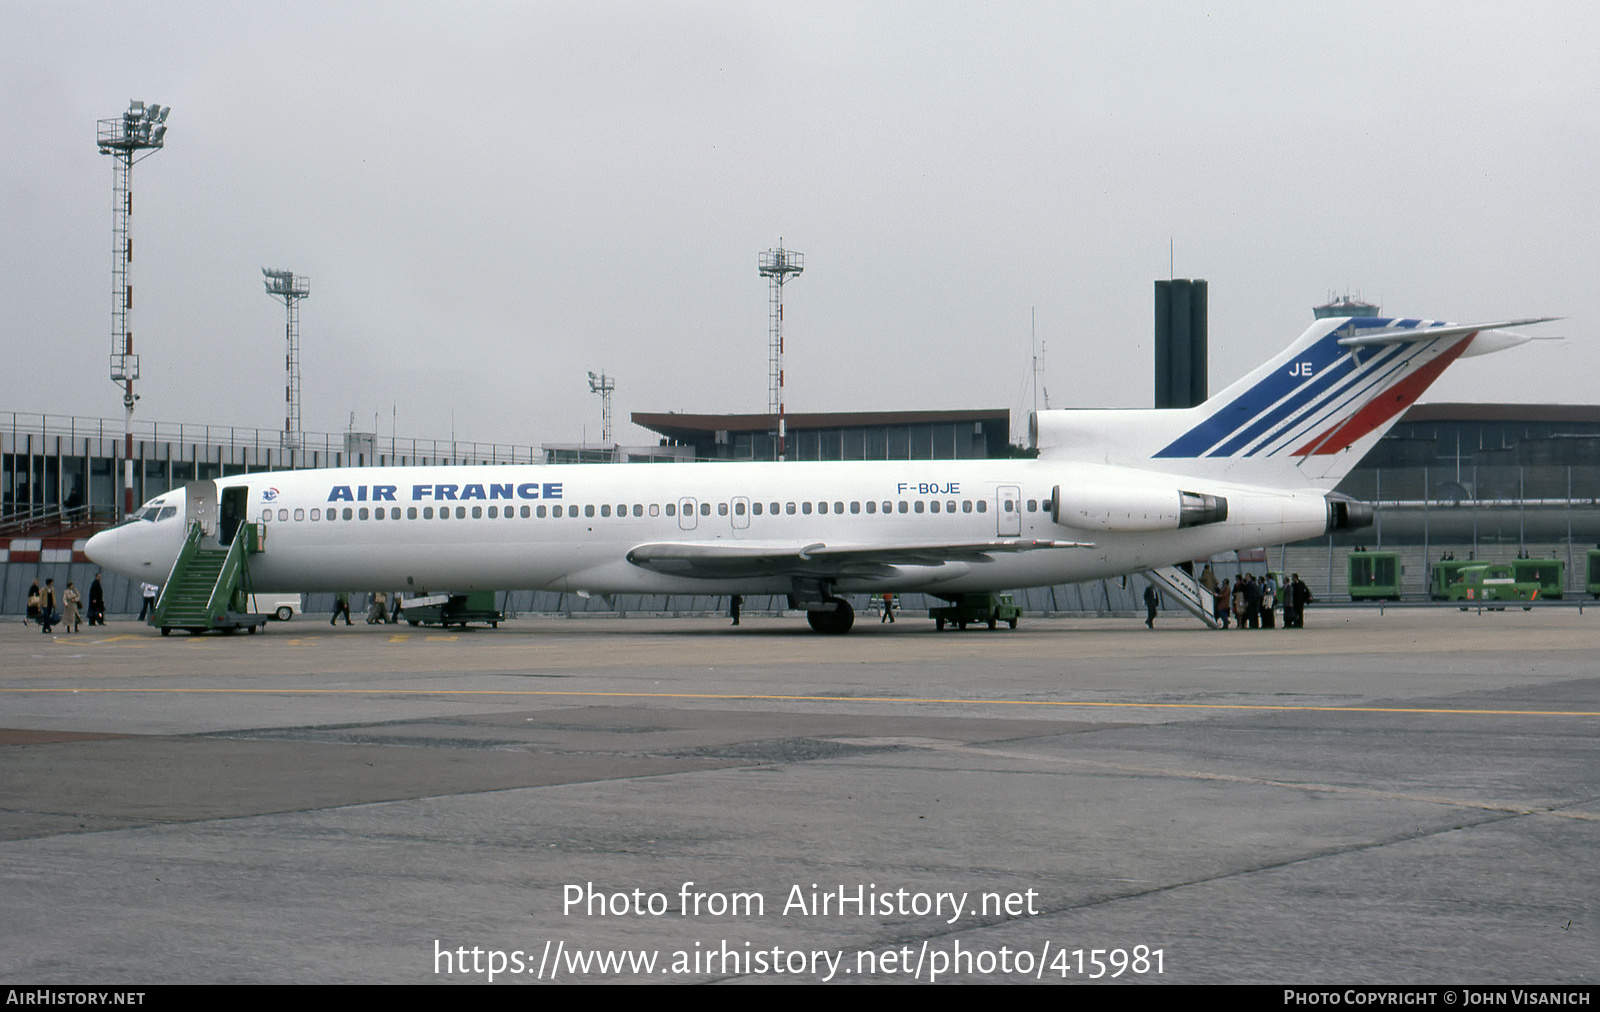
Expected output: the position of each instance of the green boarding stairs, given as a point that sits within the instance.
(209, 587)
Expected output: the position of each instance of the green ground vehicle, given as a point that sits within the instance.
(974, 608)
(1374, 576)
(1444, 574)
(453, 609)
(1549, 574)
(1492, 582)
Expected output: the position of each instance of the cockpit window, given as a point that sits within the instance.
(167, 512)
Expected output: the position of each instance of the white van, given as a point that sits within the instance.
(282, 607)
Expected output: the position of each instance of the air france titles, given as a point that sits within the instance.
(444, 492)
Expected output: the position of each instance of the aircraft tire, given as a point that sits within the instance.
(1012, 621)
(833, 623)
(993, 621)
(166, 630)
(938, 625)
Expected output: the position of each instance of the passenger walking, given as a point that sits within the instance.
(97, 602)
(1152, 601)
(33, 604)
(148, 591)
(71, 619)
(734, 602)
(48, 616)
(888, 610)
(1223, 601)
(379, 612)
(341, 606)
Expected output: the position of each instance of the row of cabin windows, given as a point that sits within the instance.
(639, 509)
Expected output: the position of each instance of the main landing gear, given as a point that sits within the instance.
(836, 621)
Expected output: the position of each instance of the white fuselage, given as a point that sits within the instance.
(495, 527)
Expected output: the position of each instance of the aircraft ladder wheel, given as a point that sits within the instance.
(285, 613)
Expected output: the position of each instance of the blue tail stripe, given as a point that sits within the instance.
(1273, 388)
(1348, 375)
(1335, 374)
(1378, 379)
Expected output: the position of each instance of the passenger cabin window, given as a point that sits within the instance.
(316, 514)
(605, 510)
(805, 508)
(722, 509)
(918, 506)
(655, 510)
(265, 514)
(789, 509)
(299, 514)
(672, 509)
(983, 505)
(738, 509)
(872, 507)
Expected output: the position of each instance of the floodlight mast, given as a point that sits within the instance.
(131, 137)
(603, 385)
(780, 265)
(289, 288)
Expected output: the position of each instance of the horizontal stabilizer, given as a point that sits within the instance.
(1375, 336)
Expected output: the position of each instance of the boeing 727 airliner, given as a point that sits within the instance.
(1110, 492)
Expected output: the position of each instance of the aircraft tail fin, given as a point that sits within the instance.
(1303, 419)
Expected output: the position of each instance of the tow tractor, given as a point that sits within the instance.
(967, 609)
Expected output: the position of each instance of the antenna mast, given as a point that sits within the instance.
(779, 265)
(603, 385)
(131, 137)
(289, 288)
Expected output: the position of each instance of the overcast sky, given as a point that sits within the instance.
(492, 199)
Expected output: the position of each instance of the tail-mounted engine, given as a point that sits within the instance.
(1135, 509)
(1346, 514)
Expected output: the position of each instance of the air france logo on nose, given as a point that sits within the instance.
(270, 495)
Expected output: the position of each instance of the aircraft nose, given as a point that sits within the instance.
(111, 550)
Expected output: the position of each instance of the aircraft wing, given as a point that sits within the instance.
(712, 560)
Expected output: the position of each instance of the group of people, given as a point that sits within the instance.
(1251, 601)
(47, 612)
(378, 610)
